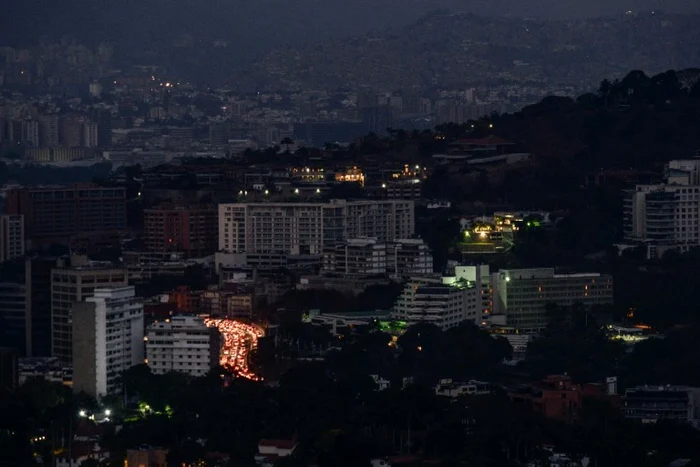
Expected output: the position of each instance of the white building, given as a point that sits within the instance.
(11, 237)
(90, 135)
(309, 228)
(666, 216)
(443, 301)
(522, 295)
(356, 257)
(70, 286)
(31, 133)
(409, 257)
(367, 257)
(481, 277)
(107, 339)
(183, 344)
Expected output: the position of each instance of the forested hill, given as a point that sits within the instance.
(638, 121)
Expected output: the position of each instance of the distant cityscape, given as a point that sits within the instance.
(471, 241)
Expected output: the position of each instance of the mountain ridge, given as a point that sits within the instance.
(448, 49)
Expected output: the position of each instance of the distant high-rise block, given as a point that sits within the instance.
(9, 370)
(377, 119)
(308, 228)
(11, 237)
(104, 129)
(58, 213)
(190, 229)
(90, 135)
(49, 130)
(30, 132)
(71, 130)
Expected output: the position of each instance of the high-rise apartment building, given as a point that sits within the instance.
(377, 119)
(15, 315)
(191, 229)
(11, 237)
(49, 130)
(25, 306)
(522, 295)
(666, 216)
(90, 134)
(443, 301)
(107, 339)
(68, 287)
(104, 129)
(60, 212)
(308, 228)
(31, 133)
(183, 344)
(71, 130)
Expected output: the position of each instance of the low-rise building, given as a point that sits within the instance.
(47, 368)
(555, 397)
(183, 344)
(271, 451)
(444, 301)
(522, 295)
(650, 404)
(449, 388)
(146, 457)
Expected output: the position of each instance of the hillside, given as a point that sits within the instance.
(444, 49)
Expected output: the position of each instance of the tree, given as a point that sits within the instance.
(287, 142)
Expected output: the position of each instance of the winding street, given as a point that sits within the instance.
(238, 339)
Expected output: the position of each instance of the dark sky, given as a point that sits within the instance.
(260, 24)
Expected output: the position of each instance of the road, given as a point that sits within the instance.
(238, 340)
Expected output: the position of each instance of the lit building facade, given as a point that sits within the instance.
(108, 339)
(522, 295)
(352, 174)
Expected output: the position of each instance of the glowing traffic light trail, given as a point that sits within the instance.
(238, 340)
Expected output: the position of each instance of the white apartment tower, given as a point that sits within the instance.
(666, 216)
(90, 135)
(443, 301)
(73, 285)
(107, 339)
(183, 344)
(309, 228)
(522, 295)
(11, 237)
